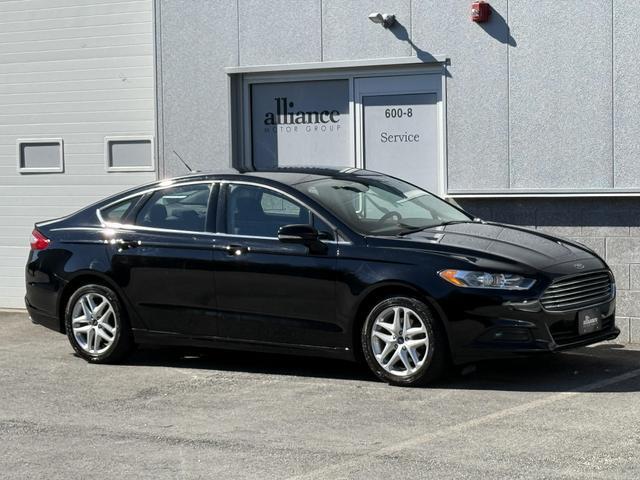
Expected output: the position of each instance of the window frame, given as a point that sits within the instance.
(146, 195)
(129, 138)
(35, 141)
(217, 200)
(221, 213)
(243, 78)
(151, 195)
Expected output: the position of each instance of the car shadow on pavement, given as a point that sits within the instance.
(249, 362)
(560, 372)
(593, 367)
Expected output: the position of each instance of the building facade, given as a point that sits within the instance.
(530, 118)
(76, 82)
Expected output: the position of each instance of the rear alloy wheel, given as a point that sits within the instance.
(95, 325)
(402, 342)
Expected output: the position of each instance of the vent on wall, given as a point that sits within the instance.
(40, 155)
(129, 154)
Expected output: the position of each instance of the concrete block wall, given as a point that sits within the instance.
(610, 226)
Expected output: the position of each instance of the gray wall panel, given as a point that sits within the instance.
(79, 73)
(199, 38)
(348, 34)
(560, 94)
(477, 102)
(626, 107)
(279, 31)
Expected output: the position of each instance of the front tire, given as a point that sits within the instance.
(97, 326)
(403, 343)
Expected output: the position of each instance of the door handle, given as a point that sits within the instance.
(236, 250)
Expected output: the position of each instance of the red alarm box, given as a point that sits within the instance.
(480, 11)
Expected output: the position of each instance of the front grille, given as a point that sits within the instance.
(577, 291)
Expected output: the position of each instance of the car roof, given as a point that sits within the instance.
(285, 175)
(288, 176)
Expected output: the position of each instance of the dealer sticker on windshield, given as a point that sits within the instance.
(589, 321)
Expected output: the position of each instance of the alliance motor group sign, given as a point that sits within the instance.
(300, 122)
(286, 114)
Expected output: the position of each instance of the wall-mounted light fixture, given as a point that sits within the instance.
(386, 19)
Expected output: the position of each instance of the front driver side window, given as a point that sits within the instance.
(260, 212)
(177, 208)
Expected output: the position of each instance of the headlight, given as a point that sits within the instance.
(470, 279)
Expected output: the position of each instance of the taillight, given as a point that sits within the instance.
(38, 240)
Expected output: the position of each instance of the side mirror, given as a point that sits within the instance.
(304, 234)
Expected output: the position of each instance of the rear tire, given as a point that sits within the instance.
(97, 326)
(403, 343)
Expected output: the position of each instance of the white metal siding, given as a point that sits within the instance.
(75, 71)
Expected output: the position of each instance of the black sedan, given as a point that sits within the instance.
(338, 263)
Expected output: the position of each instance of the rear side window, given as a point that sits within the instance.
(116, 213)
(177, 208)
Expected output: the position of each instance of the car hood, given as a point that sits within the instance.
(509, 243)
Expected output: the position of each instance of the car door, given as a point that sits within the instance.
(269, 291)
(163, 261)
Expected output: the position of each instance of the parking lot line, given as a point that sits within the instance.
(325, 472)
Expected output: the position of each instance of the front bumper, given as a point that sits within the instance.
(509, 330)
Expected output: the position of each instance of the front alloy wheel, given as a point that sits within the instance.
(403, 343)
(399, 340)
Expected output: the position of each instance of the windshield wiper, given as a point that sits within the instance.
(454, 222)
(409, 231)
(425, 227)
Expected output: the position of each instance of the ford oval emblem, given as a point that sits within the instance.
(579, 266)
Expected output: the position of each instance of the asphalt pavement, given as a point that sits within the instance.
(171, 413)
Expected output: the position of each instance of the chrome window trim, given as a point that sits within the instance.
(125, 226)
(258, 237)
(144, 192)
(105, 224)
(64, 229)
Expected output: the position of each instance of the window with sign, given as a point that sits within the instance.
(389, 123)
(301, 123)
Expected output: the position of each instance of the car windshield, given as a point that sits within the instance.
(381, 205)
